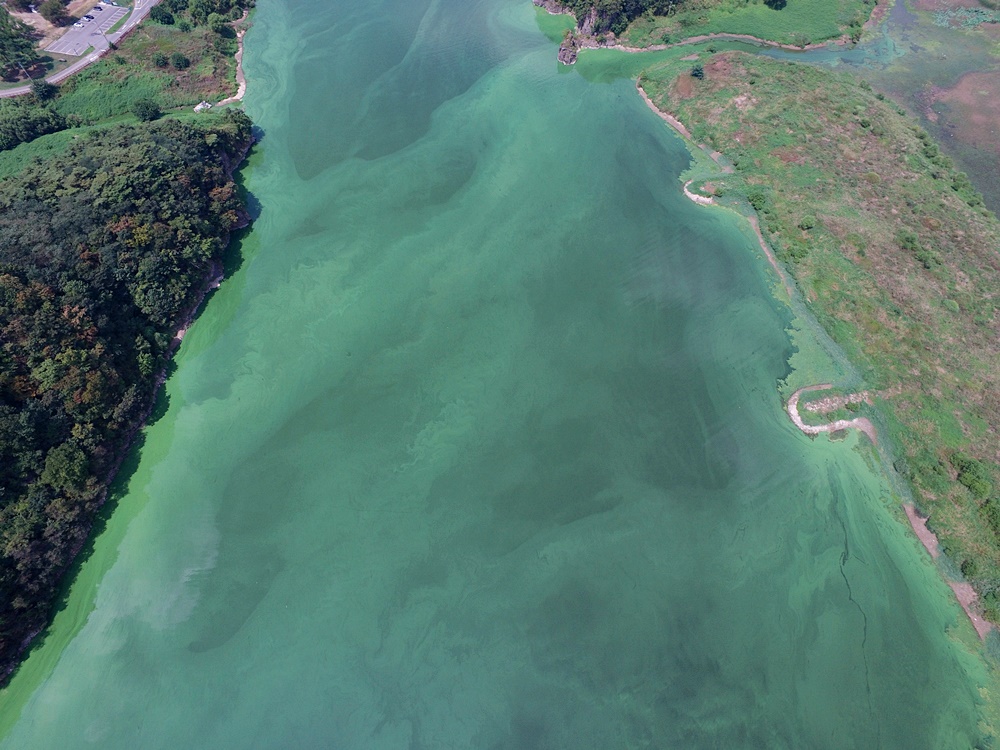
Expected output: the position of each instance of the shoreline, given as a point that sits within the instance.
(211, 281)
(965, 595)
(859, 423)
(716, 157)
(241, 80)
(570, 47)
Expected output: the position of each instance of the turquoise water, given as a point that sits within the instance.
(482, 447)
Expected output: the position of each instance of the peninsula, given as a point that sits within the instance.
(890, 245)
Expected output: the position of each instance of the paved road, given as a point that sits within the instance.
(100, 43)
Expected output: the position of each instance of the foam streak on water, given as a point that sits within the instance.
(482, 447)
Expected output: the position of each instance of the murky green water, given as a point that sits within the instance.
(482, 448)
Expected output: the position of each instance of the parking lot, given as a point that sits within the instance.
(76, 41)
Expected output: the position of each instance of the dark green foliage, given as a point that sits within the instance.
(698, 72)
(974, 474)
(160, 60)
(219, 24)
(54, 12)
(102, 252)
(146, 109)
(757, 198)
(179, 61)
(201, 10)
(991, 513)
(43, 91)
(909, 241)
(16, 47)
(615, 15)
(161, 15)
(21, 121)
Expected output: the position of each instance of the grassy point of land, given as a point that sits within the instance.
(647, 24)
(163, 63)
(798, 22)
(893, 252)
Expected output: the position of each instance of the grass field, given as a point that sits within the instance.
(893, 252)
(111, 86)
(800, 22)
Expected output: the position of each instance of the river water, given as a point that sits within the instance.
(482, 447)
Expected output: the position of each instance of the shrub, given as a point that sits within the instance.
(698, 72)
(179, 61)
(184, 25)
(973, 474)
(162, 15)
(807, 222)
(145, 109)
(43, 91)
(160, 60)
(54, 12)
(757, 198)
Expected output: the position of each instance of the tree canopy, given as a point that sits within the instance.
(103, 251)
(16, 46)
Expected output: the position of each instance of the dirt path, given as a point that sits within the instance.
(241, 81)
(859, 423)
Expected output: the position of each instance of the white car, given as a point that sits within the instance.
(78, 25)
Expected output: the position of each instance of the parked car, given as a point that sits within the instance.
(97, 7)
(78, 25)
(89, 18)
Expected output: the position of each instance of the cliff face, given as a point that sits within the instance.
(582, 36)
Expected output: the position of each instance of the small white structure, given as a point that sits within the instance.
(202, 107)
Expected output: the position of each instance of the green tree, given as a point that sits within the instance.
(22, 121)
(145, 109)
(16, 47)
(66, 467)
(161, 15)
(179, 61)
(44, 91)
(219, 24)
(54, 12)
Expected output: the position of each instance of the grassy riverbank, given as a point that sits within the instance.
(175, 66)
(798, 22)
(649, 23)
(893, 251)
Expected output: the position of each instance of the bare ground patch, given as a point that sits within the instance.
(975, 101)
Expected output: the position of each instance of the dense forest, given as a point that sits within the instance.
(616, 15)
(16, 45)
(104, 250)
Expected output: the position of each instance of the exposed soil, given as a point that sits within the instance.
(964, 592)
(859, 423)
